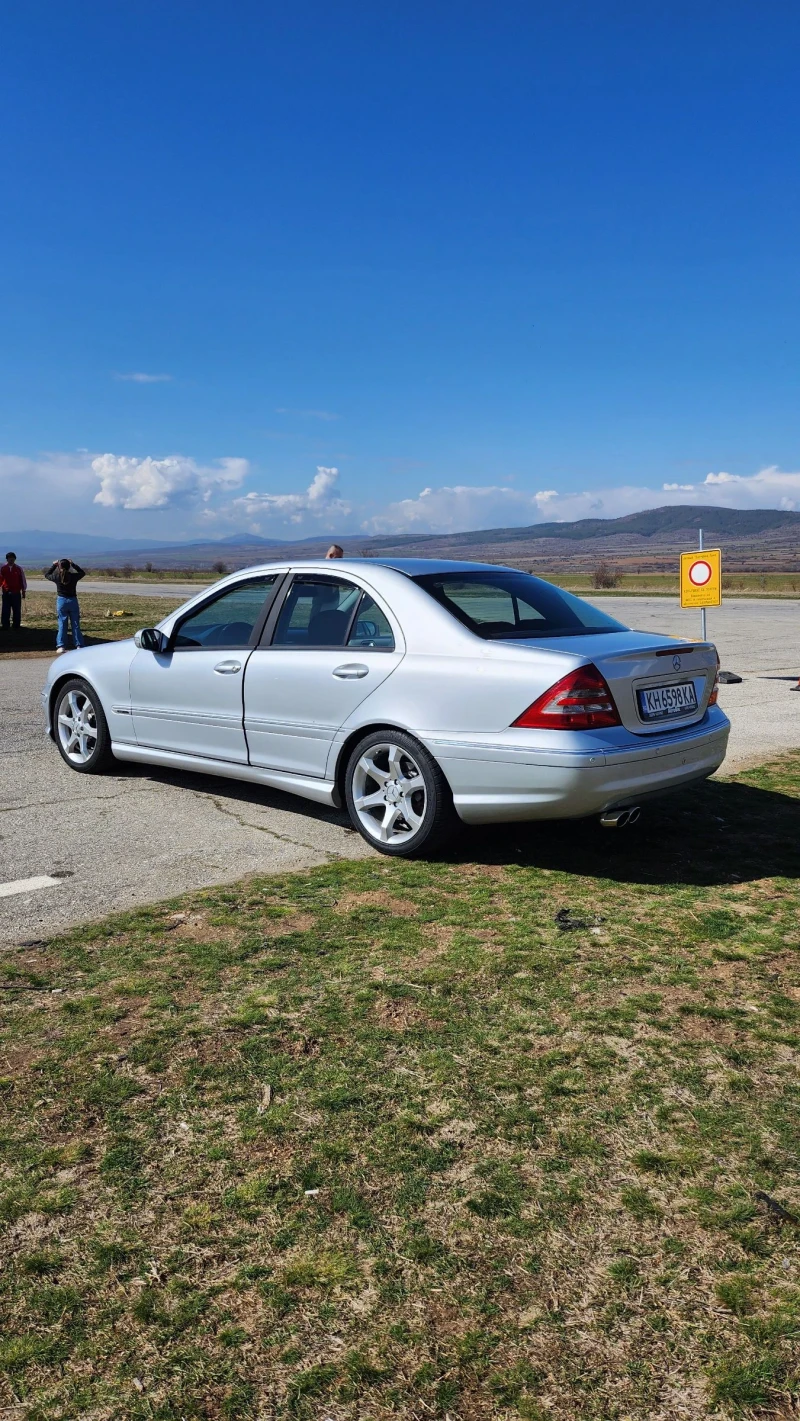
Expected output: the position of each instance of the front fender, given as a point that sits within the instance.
(107, 670)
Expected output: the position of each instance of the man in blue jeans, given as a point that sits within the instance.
(66, 575)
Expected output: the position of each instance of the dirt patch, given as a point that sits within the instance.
(292, 923)
(483, 871)
(439, 938)
(400, 1014)
(379, 898)
(195, 927)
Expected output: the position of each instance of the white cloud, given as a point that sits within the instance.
(155, 483)
(463, 507)
(459, 507)
(319, 500)
(769, 488)
(173, 497)
(140, 377)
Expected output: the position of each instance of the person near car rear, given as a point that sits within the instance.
(14, 585)
(66, 575)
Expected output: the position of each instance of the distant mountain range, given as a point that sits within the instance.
(33, 541)
(650, 538)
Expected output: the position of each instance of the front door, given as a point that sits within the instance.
(189, 698)
(331, 648)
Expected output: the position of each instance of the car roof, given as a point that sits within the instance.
(416, 567)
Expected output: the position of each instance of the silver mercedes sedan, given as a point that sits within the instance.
(417, 692)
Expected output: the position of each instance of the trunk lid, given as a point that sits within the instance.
(686, 669)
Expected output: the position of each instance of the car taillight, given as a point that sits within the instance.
(580, 701)
(712, 700)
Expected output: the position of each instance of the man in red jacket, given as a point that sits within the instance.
(14, 585)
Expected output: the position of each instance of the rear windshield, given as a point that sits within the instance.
(511, 605)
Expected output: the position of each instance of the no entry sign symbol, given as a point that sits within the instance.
(700, 572)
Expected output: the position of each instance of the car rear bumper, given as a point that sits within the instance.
(537, 783)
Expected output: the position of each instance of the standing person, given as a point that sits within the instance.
(334, 551)
(66, 575)
(14, 585)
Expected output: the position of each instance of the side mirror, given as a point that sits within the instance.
(149, 639)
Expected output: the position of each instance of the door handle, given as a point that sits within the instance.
(351, 671)
(227, 668)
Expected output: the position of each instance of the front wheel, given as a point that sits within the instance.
(81, 729)
(397, 796)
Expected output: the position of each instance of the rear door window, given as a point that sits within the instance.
(318, 612)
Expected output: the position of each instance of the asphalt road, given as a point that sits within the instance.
(140, 835)
(135, 836)
(128, 589)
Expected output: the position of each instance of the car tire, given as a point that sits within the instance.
(397, 797)
(80, 728)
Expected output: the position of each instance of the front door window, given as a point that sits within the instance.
(229, 620)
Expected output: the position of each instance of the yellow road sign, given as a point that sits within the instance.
(701, 578)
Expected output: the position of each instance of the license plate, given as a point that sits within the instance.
(662, 702)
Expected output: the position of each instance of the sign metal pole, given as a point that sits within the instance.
(703, 633)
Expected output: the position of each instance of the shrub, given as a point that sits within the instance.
(605, 575)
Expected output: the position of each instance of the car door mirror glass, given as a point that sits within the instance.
(150, 639)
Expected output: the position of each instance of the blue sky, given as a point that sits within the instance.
(462, 254)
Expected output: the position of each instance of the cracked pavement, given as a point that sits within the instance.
(141, 834)
(137, 835)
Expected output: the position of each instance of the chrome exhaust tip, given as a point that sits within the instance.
(618, 818)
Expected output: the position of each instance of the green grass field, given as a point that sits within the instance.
(647, 584)
(486, 1138)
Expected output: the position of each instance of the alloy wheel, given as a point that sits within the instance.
(77, 727)
(389, 793)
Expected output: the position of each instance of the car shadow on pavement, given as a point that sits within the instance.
(718, 832)
(714, 833)
(238, 792)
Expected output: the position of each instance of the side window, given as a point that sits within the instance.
(371, 626)
(316, 613)
(227, 621)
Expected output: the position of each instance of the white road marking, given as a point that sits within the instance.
(28, 885)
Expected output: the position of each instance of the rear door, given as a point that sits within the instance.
(326, 649)
(189, 698)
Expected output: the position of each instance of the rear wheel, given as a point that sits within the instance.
(81, 730)
(397, 796)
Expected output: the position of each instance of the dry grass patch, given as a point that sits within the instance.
(377, 898)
